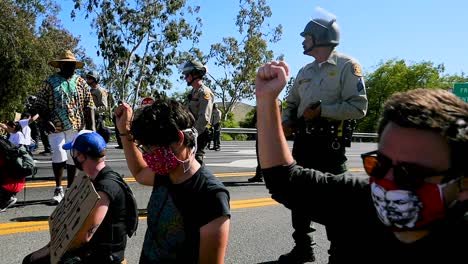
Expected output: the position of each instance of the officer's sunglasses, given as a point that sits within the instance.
(408, 176)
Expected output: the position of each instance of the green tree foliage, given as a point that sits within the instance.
(31, 36)
(249, 121)
(398, 76)
(240, 57)
(138, 41)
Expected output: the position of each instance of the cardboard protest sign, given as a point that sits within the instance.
(70, 214)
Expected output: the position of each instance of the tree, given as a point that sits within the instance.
(241, 57)
(26, 45)
(138, 41)
(398, 76)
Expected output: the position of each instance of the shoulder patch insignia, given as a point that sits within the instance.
(357, 70)
(207, 96)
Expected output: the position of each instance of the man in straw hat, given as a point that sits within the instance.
(65, 104)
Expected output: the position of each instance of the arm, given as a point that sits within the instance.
(354, 100)
(270, 80)
(7, 128)
(42, 104)
(92, 222)
(33, 118)
(88, 106)
(138, 167)
(213, 241)
(104, 99)
(204, 113)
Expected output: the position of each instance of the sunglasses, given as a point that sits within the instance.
(408, 176)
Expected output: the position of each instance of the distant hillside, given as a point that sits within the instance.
(240, 110)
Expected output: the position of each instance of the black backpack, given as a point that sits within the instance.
(131, 222)
(18, 161)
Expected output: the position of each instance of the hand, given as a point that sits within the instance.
(123, 117)
(312, 113)
(289, 127)
(271, 79)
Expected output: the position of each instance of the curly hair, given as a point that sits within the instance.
(431, 109)
(159, 124)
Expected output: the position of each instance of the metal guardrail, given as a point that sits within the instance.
(254, 131)
(234, 130)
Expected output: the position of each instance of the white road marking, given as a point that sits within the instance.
(246, 163)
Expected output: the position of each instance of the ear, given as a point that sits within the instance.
(181, 138)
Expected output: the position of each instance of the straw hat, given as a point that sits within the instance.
(66, 56)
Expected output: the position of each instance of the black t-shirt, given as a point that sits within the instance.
(110, 238)
(176, 212)
(343, 203)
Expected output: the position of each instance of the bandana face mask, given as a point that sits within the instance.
(407, 202)
(403, 209)
(162, 160)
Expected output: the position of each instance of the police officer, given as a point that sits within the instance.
(327, 96)
(100, 100)
(200, 101)
(216, 128)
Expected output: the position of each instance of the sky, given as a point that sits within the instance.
(372, 31)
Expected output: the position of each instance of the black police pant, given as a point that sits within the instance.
(216, 135)
(315, 152)
(202, 141)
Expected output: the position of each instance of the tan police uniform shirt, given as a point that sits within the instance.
(338, 82)
(201, 106)
(100, 98)
(216, 116)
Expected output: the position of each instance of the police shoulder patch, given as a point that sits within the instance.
(207, 95)
(357, 71)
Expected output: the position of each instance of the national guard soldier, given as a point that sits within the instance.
(327, 96)
(200, 102)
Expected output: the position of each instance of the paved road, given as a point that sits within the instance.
(260, 228)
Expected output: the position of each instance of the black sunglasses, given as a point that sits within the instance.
(408, 176)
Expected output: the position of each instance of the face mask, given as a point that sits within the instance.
(162, 160)
(404, 209)
(78, 165)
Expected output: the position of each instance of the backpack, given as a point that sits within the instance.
(18, 161)
(131, 221)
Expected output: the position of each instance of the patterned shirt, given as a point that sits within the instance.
(63, 102)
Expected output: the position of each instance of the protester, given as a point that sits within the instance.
(9, 186)
(188, 211)
(102, 238)
(20, 132)
(65, 105)
(200, 103)
(423, 144)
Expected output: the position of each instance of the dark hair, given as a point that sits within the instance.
(159, 124)
(435, 110)
(15, 125)
(25, 115)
